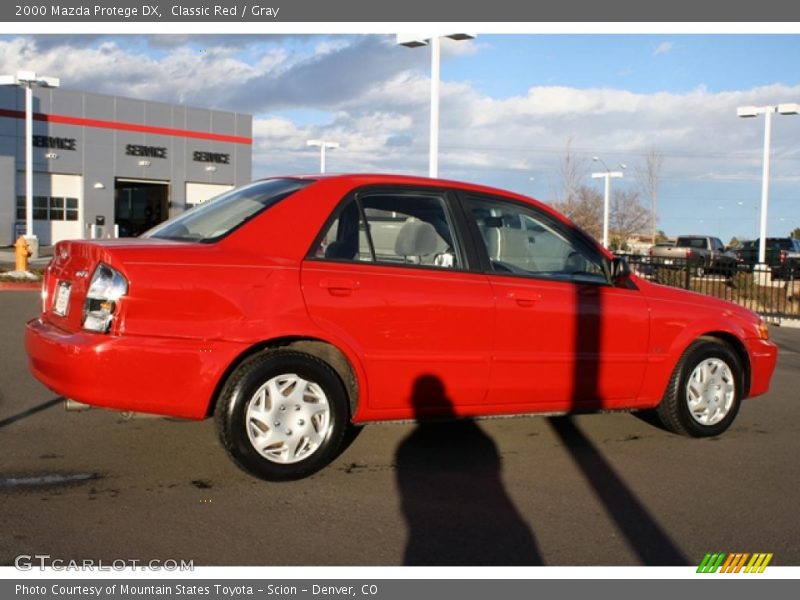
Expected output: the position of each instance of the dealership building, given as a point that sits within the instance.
(107, 164)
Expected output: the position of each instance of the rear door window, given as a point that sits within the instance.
(393, 227)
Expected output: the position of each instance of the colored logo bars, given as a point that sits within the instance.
(734, 563)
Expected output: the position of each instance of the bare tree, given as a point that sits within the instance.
(584, 204)
(628, 215)
(572, 173)
(648, 176)
(585, 207)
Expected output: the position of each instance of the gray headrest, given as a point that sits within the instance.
(416, 238)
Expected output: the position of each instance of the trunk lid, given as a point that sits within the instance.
(70, 271)
(66, 282)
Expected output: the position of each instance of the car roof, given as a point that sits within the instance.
(364, 179)
(399, 179)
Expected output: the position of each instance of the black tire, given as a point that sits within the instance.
(699, 271)
(236, 431)
(674, 411)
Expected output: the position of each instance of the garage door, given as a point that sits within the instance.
(197, 193)
(56, 206)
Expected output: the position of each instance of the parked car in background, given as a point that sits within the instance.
(782, 256)
(703, 254)
(294, 309)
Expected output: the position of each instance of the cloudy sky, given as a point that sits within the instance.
(510, 105)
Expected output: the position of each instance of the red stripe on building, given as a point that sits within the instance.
(121, 126)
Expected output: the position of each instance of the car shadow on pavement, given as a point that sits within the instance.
(453, 499)
(646, 538)
(30, 412)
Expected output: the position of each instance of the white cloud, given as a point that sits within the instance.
(378, 97)
(663, 48)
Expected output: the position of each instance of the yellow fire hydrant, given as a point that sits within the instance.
(22, 252)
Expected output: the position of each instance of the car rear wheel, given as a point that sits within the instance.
(282, 415)
(704, 392)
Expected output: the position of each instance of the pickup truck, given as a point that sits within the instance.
(782, 256)
(702, 253)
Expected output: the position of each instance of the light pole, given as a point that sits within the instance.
(322, 145)
(608, 174)
(27, 80)
(415, 41)
(767, 111)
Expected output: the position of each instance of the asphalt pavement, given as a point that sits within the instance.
(607, 489)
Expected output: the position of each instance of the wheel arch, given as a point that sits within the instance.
(318, 348)
(658, 375)
(735, 344)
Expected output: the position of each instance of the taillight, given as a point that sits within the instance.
(784, 254)
(689, 253)
(105, 290)
(739, 255)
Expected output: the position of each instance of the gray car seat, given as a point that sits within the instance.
(415, 240)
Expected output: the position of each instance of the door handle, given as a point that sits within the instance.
(524, 299)
(338, 286)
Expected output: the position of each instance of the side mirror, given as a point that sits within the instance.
(620, 269)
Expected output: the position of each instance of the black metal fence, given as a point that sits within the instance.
(774, 293)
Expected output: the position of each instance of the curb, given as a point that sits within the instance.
(20, 286)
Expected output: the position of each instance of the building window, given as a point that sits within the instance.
(56, 209)
(72, 209)
(40, 208)
(49, 208)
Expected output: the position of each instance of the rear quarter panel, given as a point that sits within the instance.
(238, 288)
(243, 290)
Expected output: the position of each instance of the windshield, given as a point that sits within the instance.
(219, 216)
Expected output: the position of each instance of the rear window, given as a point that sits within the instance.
(782, 243)
(692, 243)
(219, 216)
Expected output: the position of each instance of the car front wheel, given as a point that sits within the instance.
(282, 415)
(704, 392)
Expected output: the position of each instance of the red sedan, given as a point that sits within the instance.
(294, 309)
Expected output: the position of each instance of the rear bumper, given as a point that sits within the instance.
(763, 357)
(166, 376)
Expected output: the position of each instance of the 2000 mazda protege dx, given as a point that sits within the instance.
(294, 309)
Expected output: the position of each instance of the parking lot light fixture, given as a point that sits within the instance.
(322, 145)
(607, 175)
(417, 41)
(767, 111)
(28, 80)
